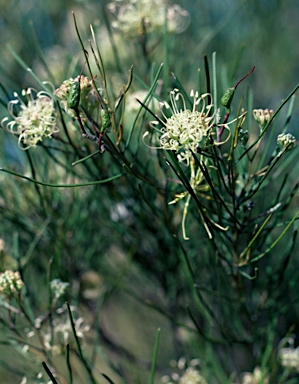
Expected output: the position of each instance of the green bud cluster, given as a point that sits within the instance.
(244, 137)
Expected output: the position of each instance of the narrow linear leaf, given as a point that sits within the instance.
(62, 185)
(155, 356)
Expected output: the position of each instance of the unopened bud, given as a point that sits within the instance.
(227, 97)
(243, 136)
(262, 116)
(286, 141)
(106, 122)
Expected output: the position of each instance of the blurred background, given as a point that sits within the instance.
(243, 33)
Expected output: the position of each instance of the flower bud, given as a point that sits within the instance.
(286, 141)
(10, 282)
(228, 97)
(76, 93)
(74, 96)
(106, 122)
(262, 116)
(243, 136)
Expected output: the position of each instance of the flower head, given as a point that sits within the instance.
(286, 141)
(35, 119)
(185, 128)
(60, 333)
(133, 17)
(10, 282)
(262, 116)
(58, 288)
(256, 377)
(192, 376)
(288, 356)
(188, 373)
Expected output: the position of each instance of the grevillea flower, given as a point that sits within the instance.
(262, 116)
(256, 377)
(58, 288)
(184, 129)
(286, 141)
(60, 333)
(187, 373)
(133, 17)
(288, 355)
(35, 119)
(10, 282)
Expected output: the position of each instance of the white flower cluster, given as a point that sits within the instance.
(189, 374)
(286, 141)
(289, 358)
(185, 129)
(135, 17)
(61, 333)
(192, 376)
(10, 282)
(35, 119)
(256, 377)
(58, 288)
(262, 116)
(39, 376)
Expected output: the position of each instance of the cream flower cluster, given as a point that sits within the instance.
(288, 355)
(185, 128)
(262, 116)
(189, 373)
(10, 282)
(133, 17)
(35, 119)
(286, 141)
(61, 334)
(256, 377)
(58, 288)
(192, 376)
(289, 358)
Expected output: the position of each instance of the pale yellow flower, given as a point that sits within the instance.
(35, 119)
(10, 282)
(192, 376)
(256, 377)
(135, 17)
(60, 333)
(286, 141)
(189, 373)
(185, 129)
(289, 358)
(58, 288)
(262, 116)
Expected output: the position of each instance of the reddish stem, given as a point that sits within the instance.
(243, 78)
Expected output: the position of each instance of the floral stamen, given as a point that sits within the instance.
(35, 119)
